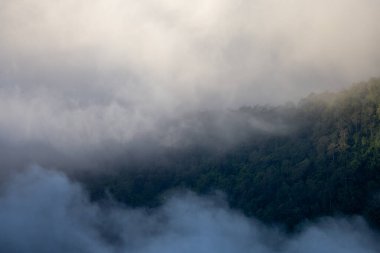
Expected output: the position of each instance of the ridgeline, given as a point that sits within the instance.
(328, 163)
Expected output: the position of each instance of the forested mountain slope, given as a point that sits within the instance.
(326, 162)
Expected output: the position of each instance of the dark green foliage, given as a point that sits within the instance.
(330, 163)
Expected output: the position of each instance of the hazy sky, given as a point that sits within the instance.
(78, 72)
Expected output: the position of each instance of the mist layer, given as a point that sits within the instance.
(78, 74)
(43, 211)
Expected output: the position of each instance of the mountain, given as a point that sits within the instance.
(318, 158)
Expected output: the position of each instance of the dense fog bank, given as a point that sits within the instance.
(78, 74)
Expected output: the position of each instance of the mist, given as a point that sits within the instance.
(43, 211)
(75, 75)
(85, 84)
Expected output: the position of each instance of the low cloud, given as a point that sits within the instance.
(43, 211)
(77, 74)
(83, 81)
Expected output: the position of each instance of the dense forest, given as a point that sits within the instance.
(323, 160)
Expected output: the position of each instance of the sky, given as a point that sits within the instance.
(77, 74)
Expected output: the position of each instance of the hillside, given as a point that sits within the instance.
(326, 162)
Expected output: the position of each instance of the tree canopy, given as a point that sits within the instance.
(327, 162)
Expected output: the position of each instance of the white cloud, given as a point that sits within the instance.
(76, 73)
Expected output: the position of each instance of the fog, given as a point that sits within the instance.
(83, 81)
(43, 211)
(77, 74)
